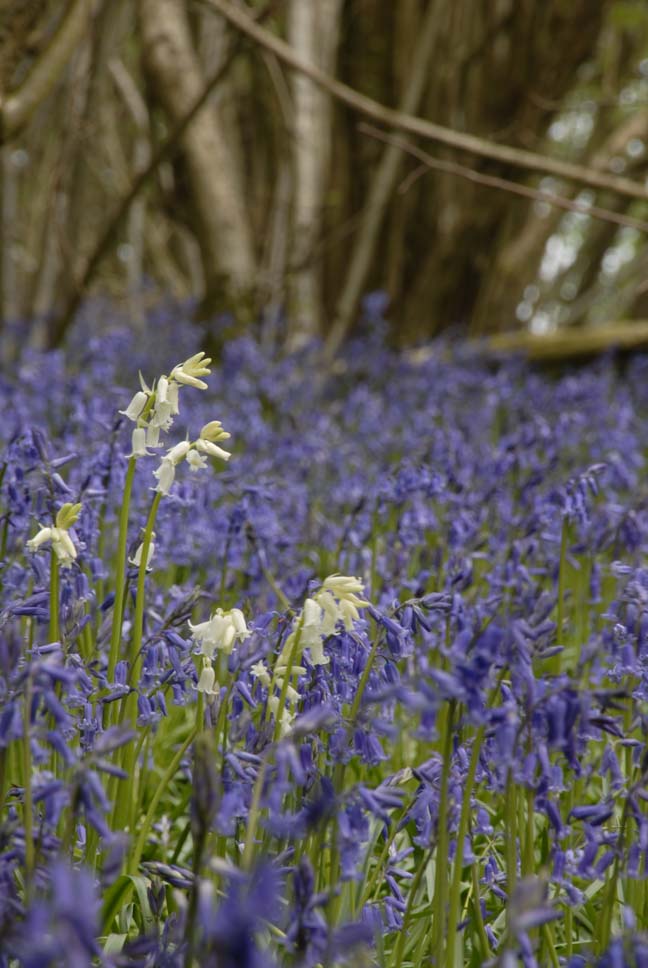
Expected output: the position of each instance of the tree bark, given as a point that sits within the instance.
(382, 188)
(215, 182)
(17, 107)
(313, 31)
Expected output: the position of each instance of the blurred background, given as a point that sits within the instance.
(153, 149)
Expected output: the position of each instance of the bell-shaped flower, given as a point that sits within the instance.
(331, 612)
(311, 614)
(138, 443)
(62, 544)
(221, 632)
(207, 447)
(178, 453)
(162, 415)
(207, 681)
(316, 651)
(165, 475)
(173, 399)
(237, 619)
(196, 461)
(152, 435)
(137, 557)
(346, 588)
(259, 671)
(135, 407)
(41, 537)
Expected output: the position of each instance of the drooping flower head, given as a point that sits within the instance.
(62, 543)
(221, 632)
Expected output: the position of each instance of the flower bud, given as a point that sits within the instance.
(67, 515)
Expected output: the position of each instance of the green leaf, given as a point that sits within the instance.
(114, 943)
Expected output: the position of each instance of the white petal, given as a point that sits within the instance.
(178, 453)
(165, 475)
(40, 538)
(135, 407)
(213, 450)
(152, 436)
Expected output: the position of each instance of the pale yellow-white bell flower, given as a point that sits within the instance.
(220, 632)
(139, 443)
(207, 681)
(62, 544)
(188, 373)
(196, 461)
(137, 557)
(135, 407)
(165, 475)
(178, 453)
(207, 447)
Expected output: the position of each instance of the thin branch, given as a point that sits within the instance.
(17, 107)
(503, 184)
(506, 154)
(166, 150)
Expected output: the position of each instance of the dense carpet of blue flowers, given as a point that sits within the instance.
(455, 773)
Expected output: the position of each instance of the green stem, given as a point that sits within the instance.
(371, 883)
(404, 931)
(462, 833)
(128, 712)
(54, 634)
(556, 661)
(135, 654)
(439, 900)
(28, 816)
(510, 835)
(167, 776)
(253, 818)
(120, 573)
(477, 913)
(611, 893)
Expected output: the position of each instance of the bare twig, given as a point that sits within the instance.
(503, 184)
(506, 154)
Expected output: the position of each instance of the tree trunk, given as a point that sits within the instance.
(313, 31)
(504, 81)
(382, 188)
(18, 106)
(214, 181)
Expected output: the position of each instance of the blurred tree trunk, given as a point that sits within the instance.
(20, 20)
(18, 105)
(313, 30)
(497, 57)
(382, 186)
(215, 182)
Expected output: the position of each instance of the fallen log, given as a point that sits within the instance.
(570, 343)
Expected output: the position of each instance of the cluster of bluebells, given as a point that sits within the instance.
(379, 695)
